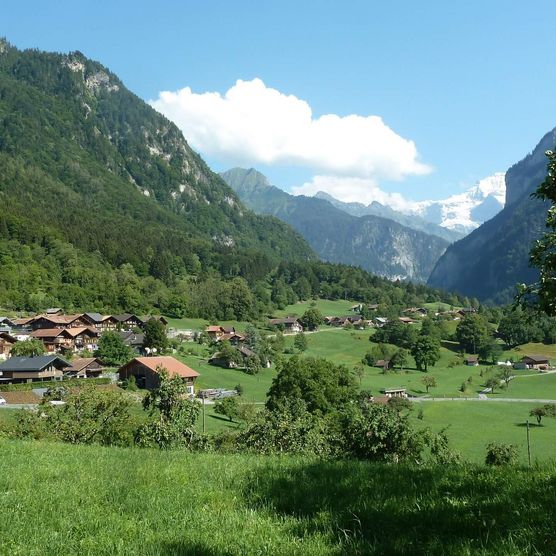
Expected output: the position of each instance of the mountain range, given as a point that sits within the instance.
(491, 260)
(377, 244)
(451, 218)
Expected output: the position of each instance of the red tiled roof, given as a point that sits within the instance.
(173, 366)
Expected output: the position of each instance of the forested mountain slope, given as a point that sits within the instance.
(376, 244)
(490, 261)
(92, 178)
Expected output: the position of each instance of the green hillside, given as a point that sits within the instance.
(99, 192)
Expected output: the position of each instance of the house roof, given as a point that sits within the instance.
(126, 316)
(229, 336)
(73, 332)
(95, 317)
(132, 339)
(286, 320)
(38, 363)
(173, 366)
(8, 337)
(23, 321)
(472, 358)
(392, 390)
(53, 310)
(48, 332)
(536, 358)
(214, 328)
(82, 363)
(246, 351)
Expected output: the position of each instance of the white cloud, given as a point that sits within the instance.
(255, 124)
(349, 190)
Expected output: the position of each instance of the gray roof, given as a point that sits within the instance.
(24, 364)
(95, 317)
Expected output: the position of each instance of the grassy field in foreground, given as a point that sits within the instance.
(63, 499)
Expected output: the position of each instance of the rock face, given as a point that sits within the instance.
(410, 221)
(376, 244)
(491, 260)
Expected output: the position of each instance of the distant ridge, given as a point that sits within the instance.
(379, 245)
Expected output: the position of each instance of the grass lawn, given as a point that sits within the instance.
(470, 426)
(328, 308)
(91, 500)
(537, 385)
(532, 349)
(255, 387)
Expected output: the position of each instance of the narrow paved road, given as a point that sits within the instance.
(483, 398)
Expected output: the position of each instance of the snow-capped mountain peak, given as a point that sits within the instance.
(468, 210)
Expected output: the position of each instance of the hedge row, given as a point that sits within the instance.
(49, 383)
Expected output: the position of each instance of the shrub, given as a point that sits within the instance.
(501, 454)
(53, 383)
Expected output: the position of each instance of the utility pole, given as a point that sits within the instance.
(528, 444)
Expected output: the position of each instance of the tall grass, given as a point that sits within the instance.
(63, 499)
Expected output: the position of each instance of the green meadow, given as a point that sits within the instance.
(75, 500)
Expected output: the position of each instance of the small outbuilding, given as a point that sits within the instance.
(538, 362)
(85, 367)
(472, 361)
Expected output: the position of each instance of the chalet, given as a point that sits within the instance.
(538, 362)
(94, 319)
(127, 321)
(23, 322)
(417, 311)
(30, 369)
(57, 339)
(406, 320)
(216, 331)
(233, 337)
(472, 361)
(395, 392)
(466, 311)
(380, 321)
(356, 308)
(218, 360)
(134, 341)
(372, 307)
(6, 322)
(58, 321)
(146, 371)
(6, 343)
(87, 367)
(159, 318)
(291, 324)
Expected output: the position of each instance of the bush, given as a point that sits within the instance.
(501, 454)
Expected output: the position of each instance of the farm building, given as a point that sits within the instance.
(146, 371)
(85, 367)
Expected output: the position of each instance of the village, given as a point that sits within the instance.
(71, 349)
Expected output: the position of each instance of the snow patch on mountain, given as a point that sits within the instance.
(468, 210)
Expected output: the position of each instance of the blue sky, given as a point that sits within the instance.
(471, 84)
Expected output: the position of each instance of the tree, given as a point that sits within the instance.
(172, 416)
(312, 318)
(400, 358)
(517, 327)
(546, 410)
(359, 372)
(228, 407)
(88, 416)
(505, 375)
(28, 348)
(538, 413)
(300, 343)
(322, 385)
(472, 332)
(253, 365)
(491, 351)
(155, 335)
(425, 351)
(112, 351)
(492, 383)
(429, 382)
(380, 433)
(542, 294)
